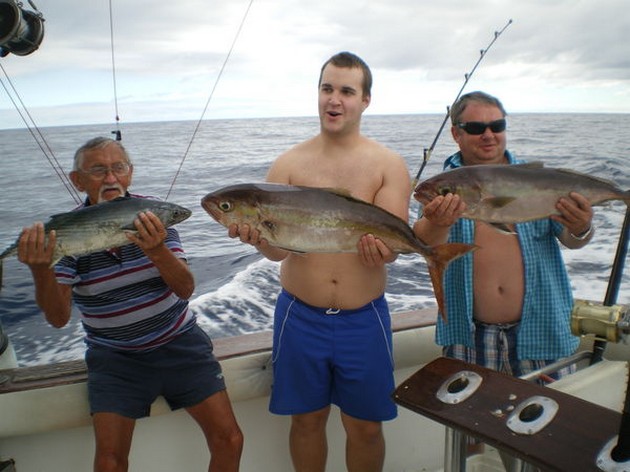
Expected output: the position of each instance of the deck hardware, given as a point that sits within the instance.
(458, 387)
(605, 461)
(532, 415)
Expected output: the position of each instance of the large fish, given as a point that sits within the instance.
(314, 220)
(507, 194)
(103, 226)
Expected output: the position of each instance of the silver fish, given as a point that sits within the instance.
(103, 226)
(507, 194)
(315, 220)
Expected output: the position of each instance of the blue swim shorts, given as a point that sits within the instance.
(322, 357)
(184, 371)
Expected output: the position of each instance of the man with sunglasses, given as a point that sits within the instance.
(142, 341)
(509, 302)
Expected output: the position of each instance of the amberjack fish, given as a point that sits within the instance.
(507, 194)
(103, 226)
(315, 220)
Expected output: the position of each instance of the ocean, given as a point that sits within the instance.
(235, 286)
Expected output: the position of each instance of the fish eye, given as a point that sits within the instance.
(225, 206)
(444, 191)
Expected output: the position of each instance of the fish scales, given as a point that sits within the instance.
(316, 220)
(103, 226)
(507, 194)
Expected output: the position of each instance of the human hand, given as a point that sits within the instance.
(576, 213)
(373, 252)
(151, 232)
(33, 249)
(247, 235)
(444, 210)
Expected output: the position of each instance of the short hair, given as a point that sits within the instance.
(96, 143)
(349, 60)
(460, 105)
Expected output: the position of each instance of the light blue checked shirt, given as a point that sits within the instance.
(544, 332)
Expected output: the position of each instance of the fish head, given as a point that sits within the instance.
(235, 204)
(170, 214)
(438, 185)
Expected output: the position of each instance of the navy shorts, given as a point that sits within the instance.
(184, 371)
(344, 358)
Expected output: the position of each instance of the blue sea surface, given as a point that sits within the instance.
(236, 287)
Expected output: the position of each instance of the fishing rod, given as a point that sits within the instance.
(214, 87)
(427, 152)
(117, 131)
(614, 281)
(620, 453)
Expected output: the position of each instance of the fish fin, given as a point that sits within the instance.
(56, 258)
(497, 202)
(342, 192)
(532, 165)
(441, 256)
(502, 228)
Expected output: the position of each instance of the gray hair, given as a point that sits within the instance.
(96, 143)
(460, 105)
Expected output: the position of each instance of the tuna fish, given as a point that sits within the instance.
(103, 226)
(315, 220)
(507, 194)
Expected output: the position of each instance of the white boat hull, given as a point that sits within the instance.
(49, 429)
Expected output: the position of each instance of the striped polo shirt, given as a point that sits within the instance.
(124, 303)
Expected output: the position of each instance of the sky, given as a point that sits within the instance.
(569, 56)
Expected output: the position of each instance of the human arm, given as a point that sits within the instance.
(151, 239)
(393, 196)
(54, 299)
(576, 215)
(438, 216)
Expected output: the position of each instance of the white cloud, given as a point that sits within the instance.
(557, 55)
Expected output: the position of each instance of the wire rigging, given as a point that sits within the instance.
(214, 87)
(467, 76)
(38, 136)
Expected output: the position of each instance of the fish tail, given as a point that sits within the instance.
(439, 259)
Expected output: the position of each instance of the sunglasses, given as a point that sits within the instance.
(479, 127)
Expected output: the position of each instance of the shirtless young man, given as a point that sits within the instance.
(510, 301)
(332, 333)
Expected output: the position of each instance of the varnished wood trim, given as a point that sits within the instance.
(69, 372)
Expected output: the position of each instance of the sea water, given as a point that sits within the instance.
(235, 287)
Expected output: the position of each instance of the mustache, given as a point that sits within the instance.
(105, 188)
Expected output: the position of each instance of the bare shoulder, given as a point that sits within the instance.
(289, 161)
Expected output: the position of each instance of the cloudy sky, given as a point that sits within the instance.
(556, 56)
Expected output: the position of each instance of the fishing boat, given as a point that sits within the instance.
(45, 423)
(578, 423)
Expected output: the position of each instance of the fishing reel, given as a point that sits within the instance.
(21, 31)
(607, 323)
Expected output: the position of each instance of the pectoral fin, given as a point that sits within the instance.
(497, 202)
(502, 228)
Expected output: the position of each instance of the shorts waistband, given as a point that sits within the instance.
(331, 310)
(501, 326)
